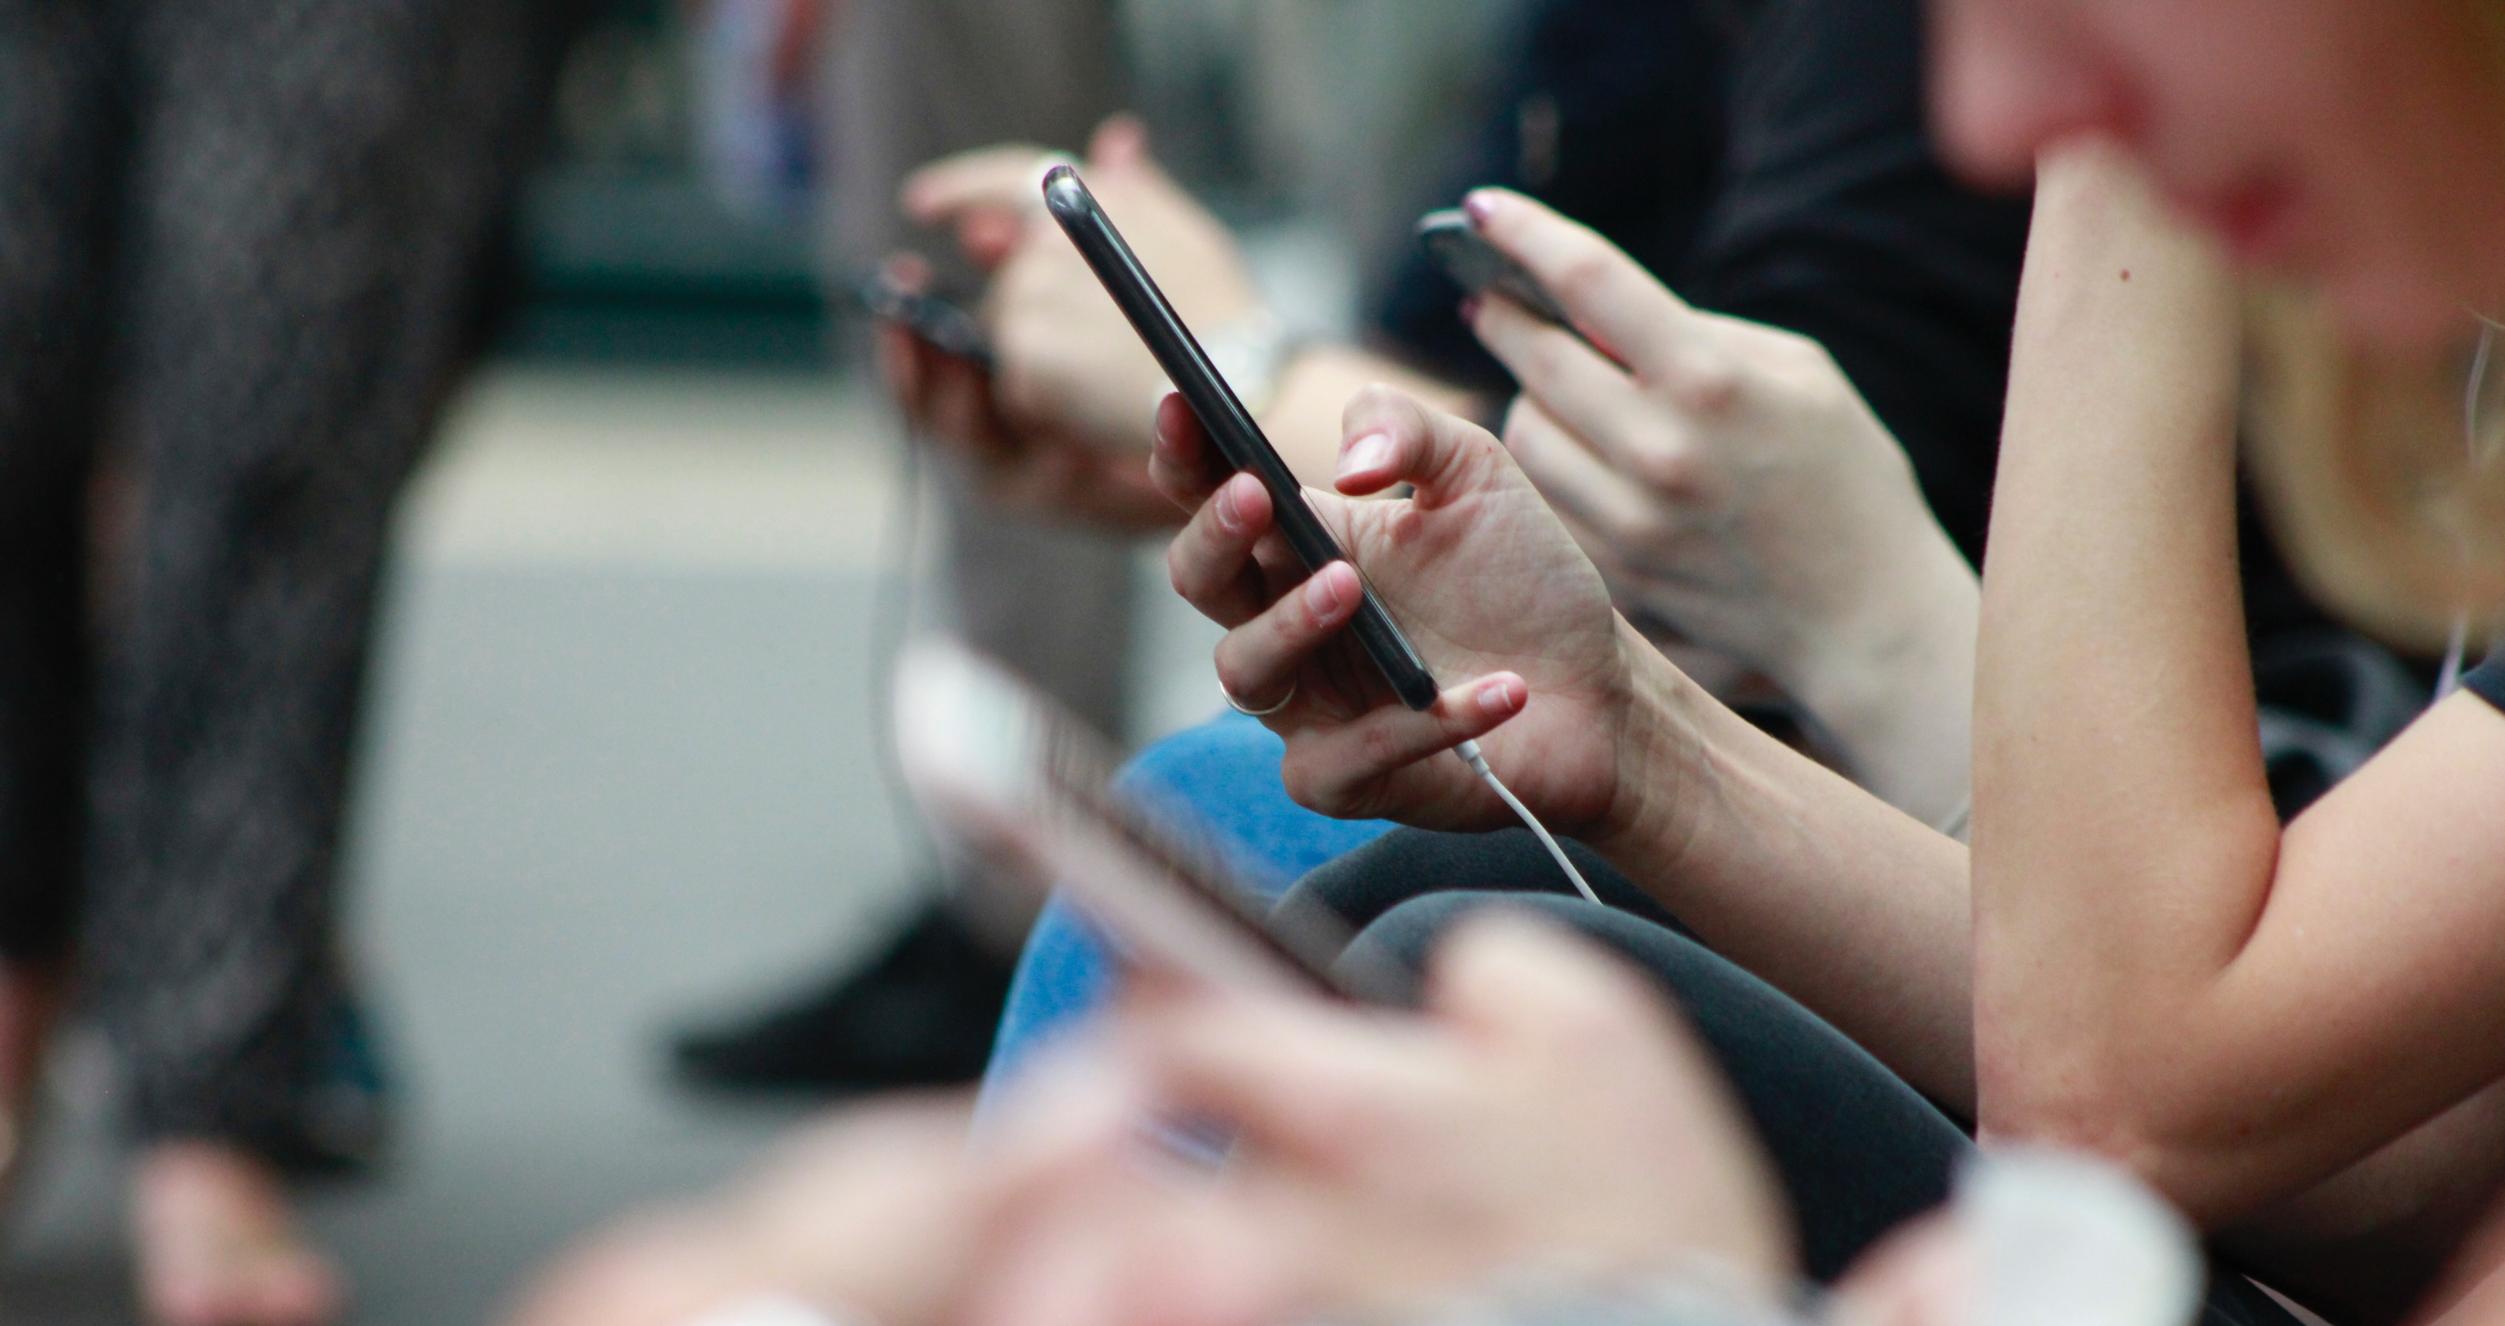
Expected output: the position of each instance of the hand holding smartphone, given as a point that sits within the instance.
(1230, 426)
(1480, 268)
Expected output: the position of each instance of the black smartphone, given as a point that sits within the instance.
(1239, 439)
(931, 318)
(1476, 266)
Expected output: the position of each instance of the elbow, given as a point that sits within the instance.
(2097, 1100)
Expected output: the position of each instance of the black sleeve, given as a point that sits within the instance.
(2488, 680)
(1836, 220)
(1611, 112)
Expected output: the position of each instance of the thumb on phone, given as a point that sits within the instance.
(1388, 438)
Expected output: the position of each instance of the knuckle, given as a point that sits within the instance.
(1182, 572)
(1305, 785)
(1229, 666)
(1795, 350)
(1372, 401)
(1673, 471)
(1706, 390)
(1584, 275)
(1543, 358)
(1304, 623)
(1632, 526)
(1377, 748)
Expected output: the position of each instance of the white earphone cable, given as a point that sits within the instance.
(1470, 755)
(2457, 644)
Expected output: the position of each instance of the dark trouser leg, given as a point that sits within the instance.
(315, 186)
(1858, 1150)
(57, 137)
(1355, 891)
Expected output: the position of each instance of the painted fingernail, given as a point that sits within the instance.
(1502, 695)
(1326, 592)
(1479, 206)
(1470, 309)
(1366, 454)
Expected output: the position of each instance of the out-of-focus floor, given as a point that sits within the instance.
(619, 767)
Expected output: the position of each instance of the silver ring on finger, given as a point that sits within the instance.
(1248, 711)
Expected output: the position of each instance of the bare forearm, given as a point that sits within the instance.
(2123, 831)
(1809, 881)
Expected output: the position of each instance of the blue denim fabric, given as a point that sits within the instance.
(1225, 773)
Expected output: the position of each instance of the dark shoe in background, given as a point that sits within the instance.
(920, 1013)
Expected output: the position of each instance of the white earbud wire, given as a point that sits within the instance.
(1470, 755)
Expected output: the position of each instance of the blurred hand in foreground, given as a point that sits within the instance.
(1546, 1115)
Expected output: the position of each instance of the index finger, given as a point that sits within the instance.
(1610, 296)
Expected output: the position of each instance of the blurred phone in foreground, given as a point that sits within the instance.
(1026, 791)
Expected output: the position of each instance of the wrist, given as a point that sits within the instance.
(1663, 764)
(1892, 685)
(1252, 349)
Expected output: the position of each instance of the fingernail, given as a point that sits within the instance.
(1479, 206)
(1502, 695)
(1470, 309)
(1324, 593)
(1231, 508)
(1366, 454)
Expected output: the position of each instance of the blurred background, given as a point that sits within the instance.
(620, 760)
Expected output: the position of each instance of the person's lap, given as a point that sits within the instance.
(1858, 1150)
